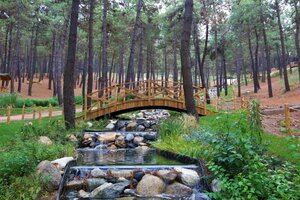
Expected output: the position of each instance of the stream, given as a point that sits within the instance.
(121, 164)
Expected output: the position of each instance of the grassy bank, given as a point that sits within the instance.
(249, 163)
(21, 152)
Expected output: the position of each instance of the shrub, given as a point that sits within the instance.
(7, 99)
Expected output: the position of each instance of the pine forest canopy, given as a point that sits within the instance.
(128, 40)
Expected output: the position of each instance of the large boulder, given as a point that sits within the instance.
(62, 162)
(120, 173)
(97, 193)
(129, 137)
(179, 190)
(107, 137)
(110, 191)
(131, 126)
(96, 173)
(45, 140)
(150, 136)
(93, 183)
(167, 175)
(140, 128)
(150, 185)
(120, 142)
(137, 140)
(50, 174)
(188, 177)
(75, 184)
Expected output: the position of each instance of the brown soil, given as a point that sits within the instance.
(280, 97)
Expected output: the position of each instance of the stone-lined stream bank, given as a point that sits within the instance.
(119, 163)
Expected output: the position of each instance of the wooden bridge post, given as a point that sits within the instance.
(23, 112)
(204, 98)
(85, 107)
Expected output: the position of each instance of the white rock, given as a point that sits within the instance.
(83, 194)
(110, 126)
(45, 140)
(188, 177)
(96, 192)
(98, 173)
(61, 162)
(89, 124)
(216, 185)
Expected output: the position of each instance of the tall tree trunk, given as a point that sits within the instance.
(69, 98)
(175, 69)
(91, 52)
(121, 67)
(297, 33)
(224, 66)
(140, 75)
(9, 56)
(283, 56)
(104, 49)
(185, 59)
(255, 80)
(33, 60)
(166, 67)
(18, 46)
(256, 64)
(130, 68)
(216, 49)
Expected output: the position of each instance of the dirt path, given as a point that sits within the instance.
(30, 116)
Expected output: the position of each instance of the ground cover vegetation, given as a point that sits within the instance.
(21, 152)
(249, 163)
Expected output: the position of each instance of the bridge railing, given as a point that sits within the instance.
(142, 90)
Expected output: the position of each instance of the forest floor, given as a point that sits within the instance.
(273, 119)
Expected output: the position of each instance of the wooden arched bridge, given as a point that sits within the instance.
(121, 98)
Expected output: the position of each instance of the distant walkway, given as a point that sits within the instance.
(30, 116)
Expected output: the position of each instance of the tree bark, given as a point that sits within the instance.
(130, 68)
(91, 52)
(185, 59)
(104, 49)
(18, 46)
(68, 89)
(283, 56)
(297, 33)
(140, 75)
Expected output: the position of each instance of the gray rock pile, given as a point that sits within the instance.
(112, 183)
(114, 140)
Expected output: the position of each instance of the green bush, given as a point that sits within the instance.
(7, 99)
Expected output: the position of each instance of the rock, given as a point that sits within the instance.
(140, 115)
(45, 140)
(120, 124)
(129, 137)
(129, 191)
(138, 175)
(150, 185)
(179, 190)
(62, 162)
(146, 124)
(123, 129)
(93, 183)
(96, 173)
(216, 185)
(131, 126)
(107, 137)
(111, 191)
(120, 173)
(131, 145)
(87, 136)
(137, 140)
(167, 175)
(49, 173)
(188, 177)
(112, 147)
(121, 179)
(110, 126)
(83, 194)
(140, 128)
(72, 138)
(142, 144)
(202, 196)
(89, 124)
(75, 184)
(150, 136)
(120, 142)
(97, 193)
